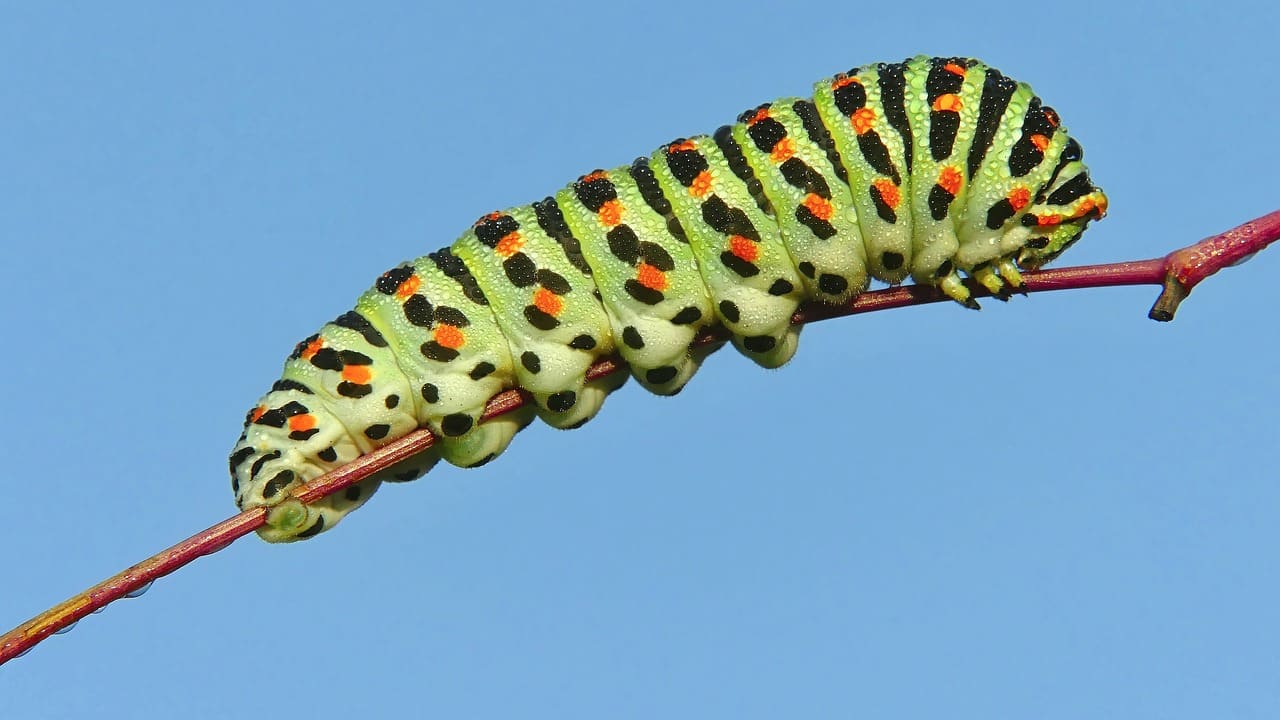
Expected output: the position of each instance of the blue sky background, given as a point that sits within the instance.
(1054, 508)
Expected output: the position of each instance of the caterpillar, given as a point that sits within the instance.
(928, 169)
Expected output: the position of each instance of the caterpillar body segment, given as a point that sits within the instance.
(650, 288)
(874, 142)
(447, 343)
(788, 149)
(544, 299)
(931, 168)
(745, 265)
(947, 95)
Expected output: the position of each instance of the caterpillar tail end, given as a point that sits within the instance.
(288, 521)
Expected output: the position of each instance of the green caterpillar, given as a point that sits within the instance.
(927, 169)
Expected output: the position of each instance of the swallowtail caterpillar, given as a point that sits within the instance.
(928, 169)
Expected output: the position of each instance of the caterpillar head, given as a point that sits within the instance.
(1060, 214)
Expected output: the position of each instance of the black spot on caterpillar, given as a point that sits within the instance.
(931, 168)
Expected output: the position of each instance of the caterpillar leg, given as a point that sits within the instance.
(769, 351)
(481, 442)
(1009, 272)
(670, 378)
(988, 278)
(580, 403)
(953, 286)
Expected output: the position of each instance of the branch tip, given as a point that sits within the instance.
(1171, 297)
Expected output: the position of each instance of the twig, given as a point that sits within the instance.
(1178, 272)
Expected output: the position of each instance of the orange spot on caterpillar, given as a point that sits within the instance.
(701, 185)
(842, 80)
(408, 287)
(257, 413)
(593, 175)
(491, 216)
(1086, 206)
(611, 213)
(782, 150)
(510, 244)
(863, 119)
(449, 336)
(955, 69)
(759, 115)
(651, 277)
(818, 206)
(947, 103)
(1019, 197)
(312, 348)
(743, 248)
(950, 180)
(682, 146)
(1041, 142)
(548, 302)
(1051, 116)
(888, 192)
(1051, 219)
(358, 374)
(302, 422)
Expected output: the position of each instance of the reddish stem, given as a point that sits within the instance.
(1190, 265)
(1178, 272)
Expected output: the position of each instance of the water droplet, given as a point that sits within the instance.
(24, 652)
(1243, 260)
(95, 612)
(139, 591)
(67, 629)
(219, 548)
